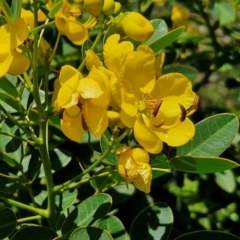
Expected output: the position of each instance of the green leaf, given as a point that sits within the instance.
(225, 12)
(59, 159)
(55, 9)
(114, 226)
(152, 223)
(34, 165)
(11, 13)
(160, 29)
(3, 21)
(64, 200)
(90, 233)
(87, 213)
(8, 87)
(8, 222)
(201, 164)
(205, 235)
(190, 72)
(166, 40)
(101, 184)
(213, 135)
(10, 103)
(158, 162)
(11, 149)
(226, 181)
(35, 232)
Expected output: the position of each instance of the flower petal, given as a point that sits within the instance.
(177, 85)
(76, 32)
(68, 72)
(115, 52)
(147, 137)
(144, 178)
(179, 135)
(95, 117)
(72, 126)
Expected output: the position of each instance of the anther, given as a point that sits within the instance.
(84, 124)
(159, 125)
(156, 108)
(184, 112)
(60, 113)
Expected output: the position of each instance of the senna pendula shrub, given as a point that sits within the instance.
(99, 87)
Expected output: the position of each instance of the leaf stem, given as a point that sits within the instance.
(24, 206)
(26, 219)
(65, 186)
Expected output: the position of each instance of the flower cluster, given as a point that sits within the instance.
(130, 84)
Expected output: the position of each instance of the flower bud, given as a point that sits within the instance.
(108, 7)
(136, 26)
(94, 7)
(20, 63)
(117, 7)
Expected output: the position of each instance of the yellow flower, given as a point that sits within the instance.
(133, 166)
(155, 106)
(165, 117)
(94, 7)
(67, 24)
(82, 102)
(12, 36)
(180, 17)
(135, 26)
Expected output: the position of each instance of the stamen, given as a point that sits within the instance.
(156, 108)
(60, 113)
(84, 124)
(184, 113)
(159, 125)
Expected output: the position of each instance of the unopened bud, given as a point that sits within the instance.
(117, 7)
(136, 26)
(94, 7)
(108, 7)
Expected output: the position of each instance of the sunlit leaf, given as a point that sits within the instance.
(35, 232)
(226, 180)
(213, 135)
(152, 223)
(166, 40)
(114, 226)
(160, 29)
(87, 213)
(201, 164)
(90, 233)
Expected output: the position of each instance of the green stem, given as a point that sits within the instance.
(65, 185)
(161, 170)
(18, 138)
(77, 184)
(18, 124)
(120, 138)
(28, 82)
(24, 206)
(43, 130)
(55, 48)
(15, 179)
(96, 41)
(26, 219)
